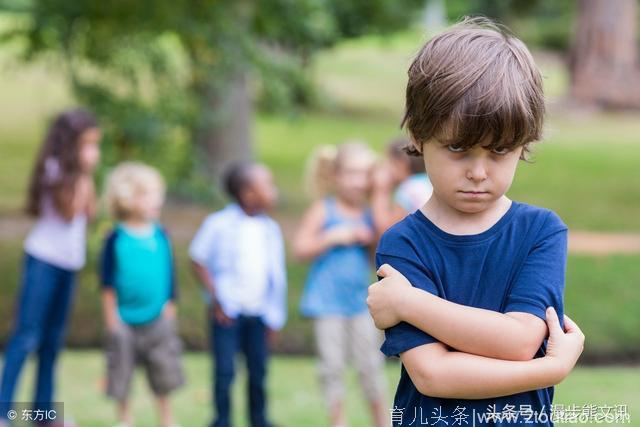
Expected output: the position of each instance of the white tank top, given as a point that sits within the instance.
(53, 239)
(57, 241)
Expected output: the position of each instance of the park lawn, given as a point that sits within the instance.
(601, 295)
(293, 389)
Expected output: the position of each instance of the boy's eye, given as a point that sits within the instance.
(455, 148)
(500, 151)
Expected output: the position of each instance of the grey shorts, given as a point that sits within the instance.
(156, 346)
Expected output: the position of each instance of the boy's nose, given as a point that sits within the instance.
(477, 172)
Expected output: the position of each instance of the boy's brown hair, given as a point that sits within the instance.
(474, 84)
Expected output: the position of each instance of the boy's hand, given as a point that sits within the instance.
(386, 297)
(112, 322)
(219, 314)
(564, 347)
(272, 336)
(169, 311)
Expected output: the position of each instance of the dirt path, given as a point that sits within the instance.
(591, 243)
(184, 221)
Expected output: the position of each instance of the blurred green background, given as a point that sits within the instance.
(347, 86)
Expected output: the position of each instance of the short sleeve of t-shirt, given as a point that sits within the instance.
(403, 336)
(203, 241)
(107, 267)
(173, 293)
(540, 282)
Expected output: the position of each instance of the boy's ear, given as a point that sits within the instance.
(245, 195)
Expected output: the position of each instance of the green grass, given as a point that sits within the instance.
(294, 392)
(591, 186)
(602, 296)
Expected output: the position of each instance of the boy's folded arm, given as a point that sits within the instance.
(438, 372)
(508, 336)
(515, 335)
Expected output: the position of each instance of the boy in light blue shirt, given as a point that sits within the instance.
(238, 256)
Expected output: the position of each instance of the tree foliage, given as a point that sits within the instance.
(151, 68)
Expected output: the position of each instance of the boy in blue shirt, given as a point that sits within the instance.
(139, 291)
(469, 280)
(238, 256)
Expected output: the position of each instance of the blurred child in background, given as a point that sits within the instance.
(62, 198)
(337, 234)
(238, 256)
(400, 187)
(139, 291)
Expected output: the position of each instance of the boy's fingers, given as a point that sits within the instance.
(385, 270)
(570, 325)
(552, 322)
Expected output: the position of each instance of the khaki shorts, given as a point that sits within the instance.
(156, 346)
(339, 339)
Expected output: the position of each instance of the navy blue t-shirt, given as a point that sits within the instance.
(517, 265)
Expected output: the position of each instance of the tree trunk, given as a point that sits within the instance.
(225, 134)
(603, 61)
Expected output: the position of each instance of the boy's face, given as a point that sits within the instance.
(149, 201)
(261, 194)
(469, 181)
